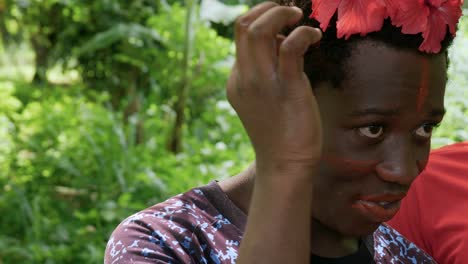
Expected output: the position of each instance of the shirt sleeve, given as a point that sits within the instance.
(144, 239)
(434, 215)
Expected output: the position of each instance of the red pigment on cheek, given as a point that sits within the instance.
(351, 165)
(423, 87)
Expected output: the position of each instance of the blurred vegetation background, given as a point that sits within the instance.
(110, 106)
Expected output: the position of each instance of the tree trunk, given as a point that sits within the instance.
(5, 35)
(134, 108)
(175, 141)
(44, 40)
(41, 60)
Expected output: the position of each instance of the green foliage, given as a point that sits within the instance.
(453, 128)
(208, 66)
(74, 171)
(8, 107)
(71, 166)
(115, 34)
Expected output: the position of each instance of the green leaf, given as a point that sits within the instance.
(119, 32)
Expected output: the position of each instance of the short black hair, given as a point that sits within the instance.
(326, 62)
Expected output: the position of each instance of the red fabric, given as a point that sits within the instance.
(434, 215)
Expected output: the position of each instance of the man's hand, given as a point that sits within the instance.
(270, 91)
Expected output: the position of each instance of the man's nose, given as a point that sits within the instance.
(401, 166)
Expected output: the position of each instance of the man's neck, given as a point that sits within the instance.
(325, 242)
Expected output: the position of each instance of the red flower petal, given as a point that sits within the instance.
(434, 34)
(392, 7)
(451, 12)
(436, 3)
(412, 16)
(360, 16)
(323, 11)
(447, 14)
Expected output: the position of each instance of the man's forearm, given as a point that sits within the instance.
(278, 226)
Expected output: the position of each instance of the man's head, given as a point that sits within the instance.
(379, 97)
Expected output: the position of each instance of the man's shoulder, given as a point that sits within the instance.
(158, 232)
(183, 229)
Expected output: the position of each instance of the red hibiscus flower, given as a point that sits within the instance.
(354, 16)
(429, 17)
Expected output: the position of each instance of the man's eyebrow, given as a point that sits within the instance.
(390, 112)
(375, 111)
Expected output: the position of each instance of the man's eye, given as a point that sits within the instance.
(425, 131)
(371, 131)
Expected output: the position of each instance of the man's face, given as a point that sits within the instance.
(377, 129)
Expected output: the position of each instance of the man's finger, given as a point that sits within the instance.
(262, 35)
(292, 50)
(241, 28)
(279, 41)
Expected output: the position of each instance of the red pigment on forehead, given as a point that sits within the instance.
(423, 86)
(359, 166)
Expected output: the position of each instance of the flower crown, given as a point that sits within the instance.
(429, 17)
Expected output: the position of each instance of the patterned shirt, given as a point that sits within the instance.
(204, 226)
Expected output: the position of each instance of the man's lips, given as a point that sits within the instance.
(383, 198)
(379, 208)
